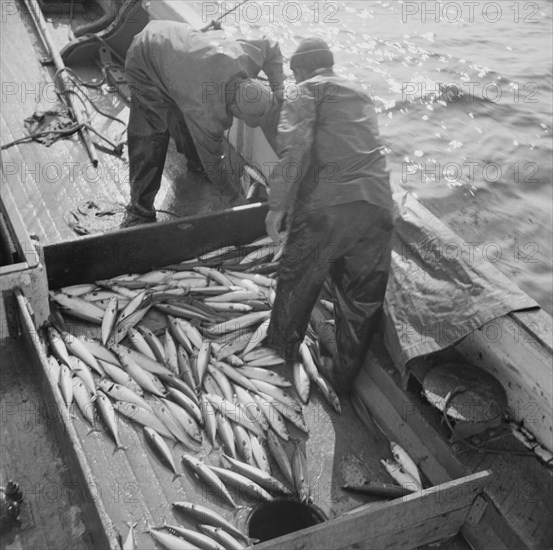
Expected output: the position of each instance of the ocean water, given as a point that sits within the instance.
(464, 95)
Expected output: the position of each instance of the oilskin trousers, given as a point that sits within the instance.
(351, 243)
(152, 122)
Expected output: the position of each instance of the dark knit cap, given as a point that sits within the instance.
(312, 53)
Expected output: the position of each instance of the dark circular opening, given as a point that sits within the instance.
(280, 517)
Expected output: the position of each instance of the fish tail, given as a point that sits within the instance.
(93, 429)
(120, 447)
(176, 476)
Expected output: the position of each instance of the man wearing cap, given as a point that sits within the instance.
(188, 85)
(331, 189)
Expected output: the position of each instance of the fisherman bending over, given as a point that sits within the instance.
(188, 85)
(333, 188)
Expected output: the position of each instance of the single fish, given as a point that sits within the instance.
(161, 449)
(238, 323)
(119, 392)
(77, 307)
(243, 443)
(231, 307)
(301, 382)
(66, 385)
(213, 274)
(184, 418)
(299, 472)
(119, 376)
(139, 343)
(154, 343)
(257, 278)
(99, 350)
(243, 484)
(185, 368)
(258, 336)
(180, 335)
(204, 354)
(178, 431)
(287, 412)
(207, 516)
(108, 415)
(269, 376)
(278, 394)
(171, 542)
(57, 345)
(79, 349)
(234, 296)
(110, 316)
(259, 476)
(85, 401)
(401, 476)
(78, 290)
(223, 382)
(329, 393)
(406, 462)
(209, 477)
(259, 454)
(83, 372)
(130, 542)
(155, 277)
(170, 350)
(187, 403)
(222, 537)
(144, 417)
(280, 456)
(205, 542)
(192, 333)
(145, 379)
(273, 416)
(224, 429)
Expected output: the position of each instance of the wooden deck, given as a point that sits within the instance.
(47, 182)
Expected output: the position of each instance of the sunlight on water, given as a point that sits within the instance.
(463, 92)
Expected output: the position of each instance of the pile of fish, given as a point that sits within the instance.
(180, 352)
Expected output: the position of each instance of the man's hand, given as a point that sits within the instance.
(273, 225)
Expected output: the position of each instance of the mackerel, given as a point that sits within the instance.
(185, 368)
(108, 415)
(203, 541)
(108, 321)
(184, 418)
(259, 454)
(207, 516)
(78, 290)
(187, 403)
(222, 537)
(224, 429)
(178, 431)
(57, 345)
(178, 384)
(77, 348)
(235, 413)
(250, 406)
(179, 334)
(301, 382)
(119, 376)
(83, 372)
(273, 416)
(162, 450)
(170, 350)
(213, 274)
(299, 471)
(288, 412)
(85, 401)
(269, 376)
(242, 483)
(122, 327)
(281, 458)
(234, 375)
(202, 361)
(406, 462)
(146, 380)
(243, 443)
(259, 476)
(258, 336)
(66, 385)
(77, 307)
(401, 476)
(143, 416)
(139, 343)
(278, 394)
(209, 477)
(99, 350)
(154, 344)
(171, 542)
(122, 393)
(238, 323)
(223, 383)
(210, 422)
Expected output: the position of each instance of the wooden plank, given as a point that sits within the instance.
(510, 351)
(432, 530)
(139, 249)
(378, 520)
(98, 523)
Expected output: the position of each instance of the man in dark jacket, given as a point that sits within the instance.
(188, 85)
(332, 188)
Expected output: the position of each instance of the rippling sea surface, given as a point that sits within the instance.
(464, 95)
